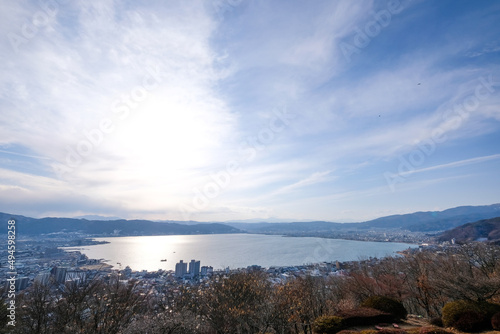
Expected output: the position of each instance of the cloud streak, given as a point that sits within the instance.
(455, 164)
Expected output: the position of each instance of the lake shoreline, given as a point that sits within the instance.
(231, 250)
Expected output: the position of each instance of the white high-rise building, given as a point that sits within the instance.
(180, 269)
(194, 268)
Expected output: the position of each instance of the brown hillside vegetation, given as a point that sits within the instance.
(488, 229)
(248, 302)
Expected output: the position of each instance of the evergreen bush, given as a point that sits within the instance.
(462, 313)
(437, 321)
(495, 321)
(365, 316)
(386, 304)
(470, 322)
(328, 324)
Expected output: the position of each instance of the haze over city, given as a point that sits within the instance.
(230, 110)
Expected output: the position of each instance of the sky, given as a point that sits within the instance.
(237, 109)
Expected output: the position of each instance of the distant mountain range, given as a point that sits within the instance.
(432, 221)
(314, 226)
(96, 217)
(437, 220)
(485, 230)
(33, 226)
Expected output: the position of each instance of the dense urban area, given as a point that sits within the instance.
(65, 292)
(41, 258)
(38, 259)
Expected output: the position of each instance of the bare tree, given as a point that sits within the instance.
(423, 296)
(36, 309)
(469, 272)
(235, 304)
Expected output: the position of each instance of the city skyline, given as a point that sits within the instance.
(336, 111)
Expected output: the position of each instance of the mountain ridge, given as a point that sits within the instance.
(449, 218)
(33, 226)
(421, 221)
(486, 229)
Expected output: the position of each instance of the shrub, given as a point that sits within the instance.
(467, 313)
(451, 311)
(489, 308)
(328, 324)
(387, 305)
(365, 317)
(470, 321)
(437, 321)
(495, 321)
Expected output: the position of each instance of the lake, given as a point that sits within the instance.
(232, 250)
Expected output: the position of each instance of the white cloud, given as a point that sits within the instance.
(220, 75)
(454, 164)
(310, 180)
(67, 81)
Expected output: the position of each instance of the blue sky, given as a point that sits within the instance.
(235, 109)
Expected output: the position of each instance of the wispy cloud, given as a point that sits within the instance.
(24, 155)
(310, 180)
(491, 47)
(455, 164)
